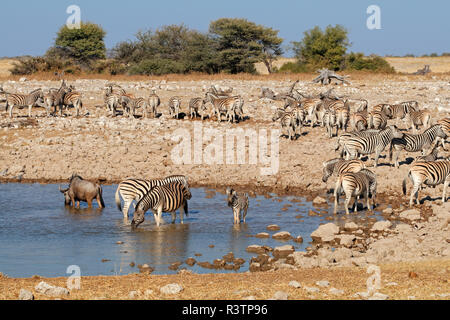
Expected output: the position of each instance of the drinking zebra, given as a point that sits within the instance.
(415, 142)
(430, 173)
(23, 100)
(355, 146)
(356, 184)
(135, 189)
(174, 107)
(288, 119)
(238, 201)
(339, 166)
(165, 198)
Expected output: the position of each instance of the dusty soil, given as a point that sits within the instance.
(99, 147)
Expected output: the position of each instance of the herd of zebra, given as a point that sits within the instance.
(117, 100)
(167, 195)
(370, 133)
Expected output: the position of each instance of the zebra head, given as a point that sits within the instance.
(65, 192)
(231, 193)
(138, 216)
(278, 114)
(328, 167)
(396, 133)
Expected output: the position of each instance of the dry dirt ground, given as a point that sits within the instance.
(99, 147)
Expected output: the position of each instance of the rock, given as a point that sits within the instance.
(381, 226)
(145, 268)
(133, 294)
(362, 294)
(175, 265)
(388, 211)
(345, 240)
(299, 239)
(336, 292)
(282, 235)
(319, 200)
(254, 267)
(280, 295)
(350, 226)
(411, 214)
(378, 296)
(171, 288)
(49, 290)
(273, 227)
(304, 262)
(323, 283)
(294, 284)
(23, 79)
(190, 261)
(229, 257)
(312, 289)
(341, 254)
(254, 248)
(25, 295)
(283, 251)
(325, 232)
(262, 235)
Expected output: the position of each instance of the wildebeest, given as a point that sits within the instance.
(82, 190)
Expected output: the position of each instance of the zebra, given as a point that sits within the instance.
(23, 100)
(415, 142)
(73, 98)
(356, 184)
(344, 136)
(399, 111)
(166, 198)
(174, 106)
(311, 106)
(287, 119)
(338, 166)
(430, 173)
(445, 126)
(135, 189)
(154, 102)
(367, 145)
(377, 118)
(239, 202)
(197, 106)
(55, 98)
(236, 112)
(330, 122)
(222, 105)
(358, 120)
(432, 154)
(342, 117)
(131, 104)
(417, 118)
(112, 97)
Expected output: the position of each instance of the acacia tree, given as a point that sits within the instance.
(241, 43)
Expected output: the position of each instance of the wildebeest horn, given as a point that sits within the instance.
(62, 190)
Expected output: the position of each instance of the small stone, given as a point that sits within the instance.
(190, 261)
(295, 284)
(25, 295)
(262, 235)
(280, 295)
(171, 288)
(50, 290)
(299, 239)
(381, 226)
(119, 242)
(283, 251)
(362, 294)
(312, 289)
(411, 214)
(378, 296)
(282, 235)
(323, 283)
(273, 227)
(319, 200)
(133, 294)
(350, 226)
(336, 292)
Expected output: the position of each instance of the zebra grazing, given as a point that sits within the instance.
(430, 173)
(174, 107)
(131, 104)
(330, 122)
(197, 106)
(415, 142)
(154, 102)
(288, 119)
(344, 136)
(136, 189)
(355, 146)
(417, 118)
(399, 111)
(356, 184)
(23, 100)
(239, 202)
(165, 198)
(339, 166)
(73, 98)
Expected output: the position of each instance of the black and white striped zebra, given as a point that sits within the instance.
(134, 189)
(399, 111)
(430, 173)
(174, 107)
(55, 98)
(339, 166)
(329, 120)
(342, 117)
(418, 118)
(355, 146)
(73, 98)
(356, 184)
(378, 117)
(223, 106)
(238, 201)
(23, 100)
(166, 198)
(154, 102)
(288, 119)
(344, 136)
(415, 142)
(131, 104)
(197, 106)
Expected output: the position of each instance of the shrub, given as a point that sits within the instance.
(156, 67)
(357, 61)
(292, 67)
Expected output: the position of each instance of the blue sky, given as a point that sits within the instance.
(417, 27)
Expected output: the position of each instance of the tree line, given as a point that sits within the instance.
(231, 45)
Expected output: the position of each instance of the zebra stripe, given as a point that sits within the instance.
(356, 184)
(174, 106)
(330, 122)
(355, 146)
(431, 173)
(131, 104)
(23, 100)
(136, 189)
(197, 106)
(164, 198)
(288, 119)
(339, 166)
(154, 102)
(344, 136)
(73, 98)
(415, 142)
(238, 201)
(223, 105)
(399, 111)
(417, 118)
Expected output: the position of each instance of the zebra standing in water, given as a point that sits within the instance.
(197, 106)
(431, 173)
(339, 166)
(355, 146)
(174, 107)
(356, 184)
(136, 189)
(288, 119)
(415, 142)
(238, 201)
(165, 198)
(23, 100)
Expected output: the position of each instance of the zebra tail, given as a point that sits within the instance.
(404, 183)
(119, 205)
(101, 196)
(390, 151)
(186, 207)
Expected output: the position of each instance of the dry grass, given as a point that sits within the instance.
(5, 65)
(432, 282)
(412, 64)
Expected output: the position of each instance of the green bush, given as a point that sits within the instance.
(292, 67)
(156, 67)
(357, 61)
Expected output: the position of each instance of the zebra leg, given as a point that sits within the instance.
(126, 206)
(347, 202)
(444, 193)
(244, 213)
(356, 204)
(181, 214)
(415, 191)
(11, 111)
(29, 110)
(174, 216)
(369, 207)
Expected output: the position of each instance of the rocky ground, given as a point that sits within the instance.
(99, 147)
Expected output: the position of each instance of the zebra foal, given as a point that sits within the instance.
(238, 201)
